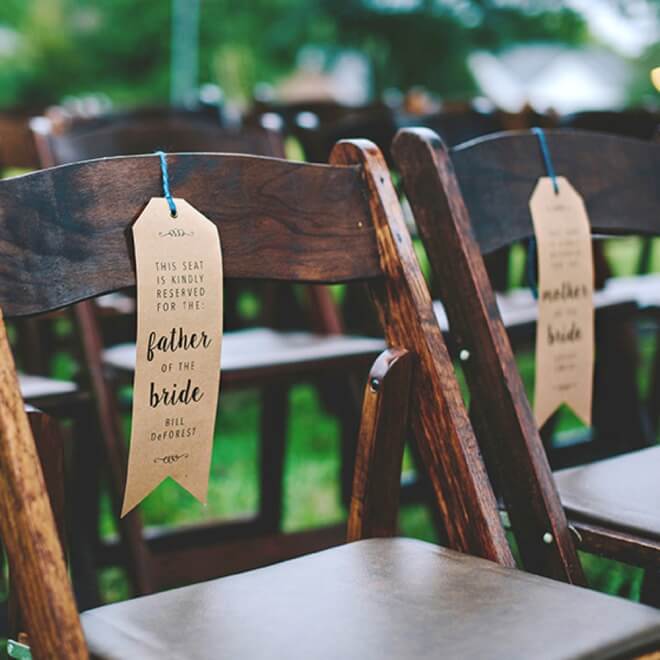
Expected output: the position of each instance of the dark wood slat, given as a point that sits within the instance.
(440, 423)
(194, 564)
(65, 231)
(273, 424)
(203, 551)
(616, 544)
(377, 480)
(616, 176)
(292, 372)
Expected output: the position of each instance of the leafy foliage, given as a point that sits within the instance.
(121, 47)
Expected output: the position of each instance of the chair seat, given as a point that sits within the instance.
(644, 289)
(263, 347)
(37, 387)
(623, 491)
(380, 599)
(518, 306)
(115, 303)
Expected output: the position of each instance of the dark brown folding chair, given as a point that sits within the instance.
(265, 357)
(381, 598)
(474, 199)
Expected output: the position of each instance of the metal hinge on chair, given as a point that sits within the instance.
(17, 650)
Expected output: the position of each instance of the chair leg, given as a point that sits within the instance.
(428, 495)
(85, 495)
(619, 418)
(348, 412)
(340, 397)
(653, 398)
(274, 418)
(33, 338)
(650, 594)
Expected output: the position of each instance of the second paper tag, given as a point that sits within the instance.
(565, 328)
(177, 372)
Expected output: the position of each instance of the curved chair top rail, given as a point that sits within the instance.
(640, 123)
(133, 136)
(617, 177)
(65, 232)
(457, 127)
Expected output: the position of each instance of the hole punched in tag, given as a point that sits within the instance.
(531, 245)
(166, 183)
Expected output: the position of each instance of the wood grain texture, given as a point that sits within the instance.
(377, 478)
(616, 176)
(439, 419)
(621, 545)
(49, 443)
(507, 427)
(29, 531)
(64, 232)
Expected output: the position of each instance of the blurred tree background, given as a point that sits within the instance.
(51, 48)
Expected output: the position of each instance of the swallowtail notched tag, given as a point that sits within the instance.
(177, 372)
(565, 328)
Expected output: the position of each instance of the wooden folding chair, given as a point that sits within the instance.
(379, 598)
(264, 357)
(474, 199)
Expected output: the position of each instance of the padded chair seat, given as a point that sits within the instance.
(263, 347)
(37, 387)
(644, 289)
(518, 306)
(380, 599)
(116, 303)
(623, 491)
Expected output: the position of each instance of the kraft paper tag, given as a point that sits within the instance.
(177, 372)
(565, 328)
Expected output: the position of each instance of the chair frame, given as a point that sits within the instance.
(506, 428)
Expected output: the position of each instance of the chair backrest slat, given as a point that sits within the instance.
(616, 176)
(65, 232)
(132, 136)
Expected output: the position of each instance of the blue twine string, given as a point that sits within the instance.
(531, 246)
(166, 183)
(547, 159)
(531, 268)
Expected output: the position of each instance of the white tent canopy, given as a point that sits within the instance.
(549, 76)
